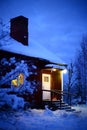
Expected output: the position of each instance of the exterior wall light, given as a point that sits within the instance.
(65, 71)
(54, 69)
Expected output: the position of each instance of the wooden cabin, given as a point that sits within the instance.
(50, 78)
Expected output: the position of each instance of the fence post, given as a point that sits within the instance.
(60, 101)
(70, 100)
(51, 97)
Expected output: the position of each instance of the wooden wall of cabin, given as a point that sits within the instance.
(56, 80)
(56, 83)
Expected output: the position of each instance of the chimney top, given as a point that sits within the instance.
(19, 29)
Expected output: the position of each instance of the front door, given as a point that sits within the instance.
(46, 85)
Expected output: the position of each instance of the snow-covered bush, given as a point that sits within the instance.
(11, 68)
(12, 101)
(15, 68)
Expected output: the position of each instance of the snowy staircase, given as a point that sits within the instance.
(54, 105)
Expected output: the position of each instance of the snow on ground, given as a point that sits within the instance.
(33, 119)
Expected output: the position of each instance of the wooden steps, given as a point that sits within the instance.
(54, 105)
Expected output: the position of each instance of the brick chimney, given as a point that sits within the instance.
(19, 29)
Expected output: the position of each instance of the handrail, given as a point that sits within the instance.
(51, 91)
(61, 93)
(65, 92)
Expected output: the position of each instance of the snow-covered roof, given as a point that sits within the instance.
(34, 50)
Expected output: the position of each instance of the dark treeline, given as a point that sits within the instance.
(77, 73)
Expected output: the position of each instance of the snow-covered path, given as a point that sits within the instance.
(44, 120)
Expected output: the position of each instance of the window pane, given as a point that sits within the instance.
(46, 79)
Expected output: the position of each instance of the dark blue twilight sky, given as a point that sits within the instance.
(56, 24)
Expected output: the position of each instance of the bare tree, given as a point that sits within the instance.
(70, 81)
(81, 69)
(78, 75)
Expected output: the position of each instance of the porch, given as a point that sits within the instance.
(59, 103)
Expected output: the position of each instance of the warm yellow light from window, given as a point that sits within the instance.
(15, 82)
(19, 81)
(21, 78)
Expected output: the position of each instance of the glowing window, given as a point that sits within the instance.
(46, 79)
(18, 81)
